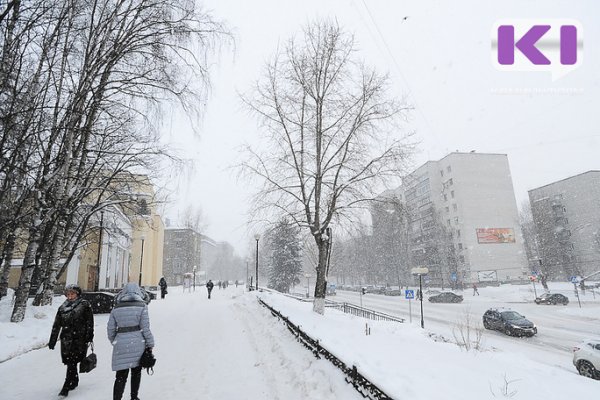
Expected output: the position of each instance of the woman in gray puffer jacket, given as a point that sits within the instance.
(129, 332)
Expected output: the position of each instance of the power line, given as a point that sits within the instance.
(397, 66)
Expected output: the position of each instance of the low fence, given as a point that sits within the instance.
(365, 387)
(353, 309)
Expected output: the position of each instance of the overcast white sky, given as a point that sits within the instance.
(439, 57)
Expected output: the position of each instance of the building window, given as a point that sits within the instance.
(449, 168)
(445, 197)
(458, 233)
(447, 209)
(448, 221)
(461, 259)
(452, 194)
(460, 247)
(442, 172)
(456, 220)
(454, 207)
(450, 183)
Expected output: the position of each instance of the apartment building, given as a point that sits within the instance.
(566, 215)
(463, 221)
(182, 252)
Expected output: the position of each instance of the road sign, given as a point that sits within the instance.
(574, 279)
(453, 276)
(410, 294)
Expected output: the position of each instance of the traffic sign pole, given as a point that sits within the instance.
(577, 294)
(409, 295)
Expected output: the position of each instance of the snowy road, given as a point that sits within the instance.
(559, 327)
(227, 348)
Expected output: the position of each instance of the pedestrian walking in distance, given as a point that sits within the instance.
(163, 287)
(475, 291)
(129, 332)
(209, 287)
(74, 324)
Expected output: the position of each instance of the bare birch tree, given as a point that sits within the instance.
(330, 136)
(82, 80)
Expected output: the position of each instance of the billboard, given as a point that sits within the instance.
(487, 276)
(495, 235)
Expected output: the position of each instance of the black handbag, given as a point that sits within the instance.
(148, 360)
(89, 362)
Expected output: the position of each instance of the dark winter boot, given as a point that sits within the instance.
(64, 392)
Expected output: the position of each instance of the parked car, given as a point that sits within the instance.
(446, 297)
(330, 289)
(552, 298)
(393, 292)
(508, 321)
(586, 358)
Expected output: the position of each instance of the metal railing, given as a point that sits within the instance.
(353, 309)
(362, 385)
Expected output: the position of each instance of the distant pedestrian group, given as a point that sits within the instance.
(128, 331)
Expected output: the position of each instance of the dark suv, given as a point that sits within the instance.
(508, 321)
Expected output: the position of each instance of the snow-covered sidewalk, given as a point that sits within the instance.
(228, 347)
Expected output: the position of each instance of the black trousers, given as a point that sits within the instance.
(121, 380)
(72, 379)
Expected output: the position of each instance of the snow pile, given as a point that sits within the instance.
(32, 333)
(408, 362)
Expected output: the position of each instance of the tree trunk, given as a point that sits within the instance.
(47, 295)
(27, 269)
(7, 259)
(321, 281)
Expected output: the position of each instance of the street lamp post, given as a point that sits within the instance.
(141, 260)
(99, 260)
(247, 260)
(257, 238)
(307, 276)
(194, 269)
(421, 271)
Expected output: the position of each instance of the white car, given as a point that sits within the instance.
(586, 358)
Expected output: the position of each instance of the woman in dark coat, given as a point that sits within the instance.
(74, 323)
(129, 332)
(163, 287)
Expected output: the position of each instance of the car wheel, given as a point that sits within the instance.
(486, 324)
(508, 331)
(586, 369)
(552, 302)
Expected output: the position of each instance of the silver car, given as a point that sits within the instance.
(586, 358)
